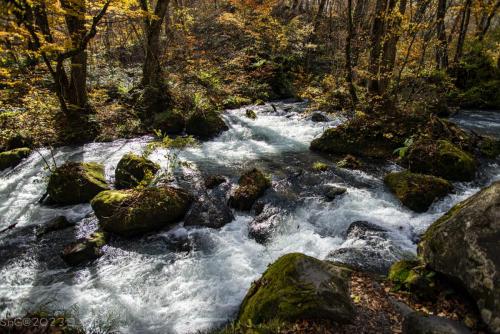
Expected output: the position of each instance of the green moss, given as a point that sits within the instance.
(292, 289)
(134, 170)
(135, 211)
(205, 125)
(320, 166)
(417, 191)
(13, 157)
(76, 182)
(489, 147)
(251, 186)
(251, 114)
(413, 276)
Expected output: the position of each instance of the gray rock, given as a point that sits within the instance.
(368, 247)
(208, 211)
(319, 117)
(465, 244)
(56, 224)
(418, 323)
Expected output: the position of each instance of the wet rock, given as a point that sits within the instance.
(56, 224)
(319, 117)
(206, 125)
(489, 147)
(463, 245)
(133, 170)
(208, 211)
(213, 181)
(266, 221)
(349, 162)
(84, 250)
(419, 323)
(298, 287)
(417, 191)
(331, 192)
(133, 211)
(13, 157)
(250, 114)
(76, 182)
(251, 186)
(440, 158)
(369, 248)
(19, 141)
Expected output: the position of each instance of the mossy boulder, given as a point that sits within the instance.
(251, 186)
(413, 276)
(170, 122)
(464, 245)
(489, 147)
(76, 182)
(349, 162)
(133, 170)
(250, 114)
(84, 250)
(136, 211)
(299, 287)
(440, 158)
(417, 191)
(206, 125)
(376, 135)
(13, 157)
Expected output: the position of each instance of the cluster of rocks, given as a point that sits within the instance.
(137, 205)
(299, 287)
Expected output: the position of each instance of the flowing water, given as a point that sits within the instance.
(146, 284)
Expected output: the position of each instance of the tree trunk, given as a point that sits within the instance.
(348, 60)
(486, 23)
(390, 45)
(464, 25)
(377, 33)
(442, 47)
(152, 72)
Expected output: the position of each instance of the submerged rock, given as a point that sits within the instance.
(133, 170)
(133, 211)
(369, 248)
(417, 191)
(13, 157)
(84, 250)
(76, 182)
(419, 323)
(267, 220)
(206, 125)
(297, 287)
(251, 186)
(440, 158)
(464, 245)
(56, 224)
(319, 117)
(331, 192)
(250, 114)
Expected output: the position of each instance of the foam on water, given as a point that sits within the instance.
(153, 289)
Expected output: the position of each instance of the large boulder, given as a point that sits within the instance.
(417, 191)
(440, 158)
(464, 244)
(170, 122)
(297, 287)
(135, 211)
(251, 186)
(206, 125)
(13, 157)
(76, 182)
(208, 211)
(133, 170)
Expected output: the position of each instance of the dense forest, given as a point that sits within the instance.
(250, 166)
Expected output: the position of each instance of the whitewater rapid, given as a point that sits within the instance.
(147, 286)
